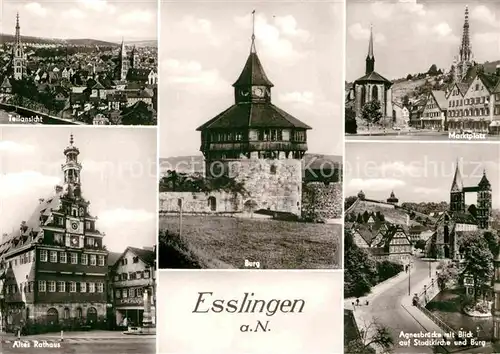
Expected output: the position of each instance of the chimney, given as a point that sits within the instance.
(59, 189)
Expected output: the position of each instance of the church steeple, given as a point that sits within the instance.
(252, 85)
(18, 30)
(465, 50)
(457, 195)
(18, 60)
(370, 58)
(71, 170)
(124, 62)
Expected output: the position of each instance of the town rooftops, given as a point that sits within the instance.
(440, 97)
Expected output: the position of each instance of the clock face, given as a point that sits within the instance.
(74, 225)
(259, 92)
(74, 241)
(244, 93)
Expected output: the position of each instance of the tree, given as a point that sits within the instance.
(351, 127)
(420, 244)
(371, 334)
(478, 260)
(372, 111)
(409, 77)
(433, 70)
(349, 201)
(447, 274)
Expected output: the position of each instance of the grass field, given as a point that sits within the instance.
(225, 242)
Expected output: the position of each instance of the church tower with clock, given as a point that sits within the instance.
(257, 144)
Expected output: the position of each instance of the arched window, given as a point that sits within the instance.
(375, 93)
(92, 315)
(52, 316)
(66, 313)
(79, 312)
(212, 203)
(363, 95)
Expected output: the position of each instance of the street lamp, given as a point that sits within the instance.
(409, 278)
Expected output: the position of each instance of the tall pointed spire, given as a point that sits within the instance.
(252, 47)
(465, 50)
(18, 30)
(370, 58)
(370, 44)
(457, 184)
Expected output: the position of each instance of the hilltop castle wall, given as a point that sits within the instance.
(200, 202)
(274, 184)
(321, 201)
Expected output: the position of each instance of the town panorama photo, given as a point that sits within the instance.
(79, 62)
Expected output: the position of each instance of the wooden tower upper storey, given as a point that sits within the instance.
(253, 127)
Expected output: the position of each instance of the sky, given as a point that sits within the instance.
(107, 20)
(204, 46)
(410, 35)
(419, 172)
(119, 177)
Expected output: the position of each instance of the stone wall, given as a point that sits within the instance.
(200, 203)
(274, 184)
(321, 201)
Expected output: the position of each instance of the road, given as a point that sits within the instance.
(385, 308)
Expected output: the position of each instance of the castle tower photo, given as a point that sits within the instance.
(263, 168)
(257, 143)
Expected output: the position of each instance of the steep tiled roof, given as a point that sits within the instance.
(147, 256)
(373, 77)
(113, 258)
(258, 115)
(253, 73)
(440, 97)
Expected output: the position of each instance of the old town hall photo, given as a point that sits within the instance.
(78, 247)
(251, 136)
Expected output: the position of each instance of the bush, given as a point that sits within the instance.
(387, 269)
(175, 253)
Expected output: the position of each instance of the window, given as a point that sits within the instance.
(100, 287)
(88, 225)
(93, 260)
(124, 293)
(131, 275)
(139, 275)
(136, 259)
(90, 241)
(52, 286)
(74, 258)
(131, 292)
(79, 313)
(83, 287)
(100, 260)
(146, 274)
(91, 287)
(42, 286)
(58, 238)
(85, 259)
(72, 287)
(138, 292)
(66, 314)
(61, 286)
(63, 257)
(118, 294)
(30, 287)
(43, 255)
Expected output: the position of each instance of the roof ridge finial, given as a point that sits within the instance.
(252, 47)
(71, 141)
